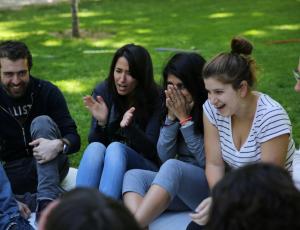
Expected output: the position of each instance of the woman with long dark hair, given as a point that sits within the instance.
(125, 125)
(180, 183)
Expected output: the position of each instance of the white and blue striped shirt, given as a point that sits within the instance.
(270, 121)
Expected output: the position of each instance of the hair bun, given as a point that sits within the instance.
(241, 46)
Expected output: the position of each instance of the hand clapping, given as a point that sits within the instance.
(127, 118)
(98, 108)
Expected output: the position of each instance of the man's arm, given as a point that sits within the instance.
(59, 112)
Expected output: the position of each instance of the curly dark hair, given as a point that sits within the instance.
(255, 197)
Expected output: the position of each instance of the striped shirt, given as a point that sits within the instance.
(270, 121)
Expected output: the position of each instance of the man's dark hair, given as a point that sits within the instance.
(14, 50)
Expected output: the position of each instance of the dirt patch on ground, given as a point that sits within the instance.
(17, 4)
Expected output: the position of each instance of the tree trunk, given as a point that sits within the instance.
(75, 19)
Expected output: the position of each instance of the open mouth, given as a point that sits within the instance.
(122, 87)
(220, 107)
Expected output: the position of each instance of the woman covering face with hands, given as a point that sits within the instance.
(178, 99)
(125, 112)
(180, 184)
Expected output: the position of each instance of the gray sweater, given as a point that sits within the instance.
(187, 147)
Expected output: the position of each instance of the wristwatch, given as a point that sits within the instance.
(65, 146)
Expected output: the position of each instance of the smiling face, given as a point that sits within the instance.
(124, 82)
(222, 96)
(176, 82)
(14, 76)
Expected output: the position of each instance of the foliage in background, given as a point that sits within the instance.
(206, 26)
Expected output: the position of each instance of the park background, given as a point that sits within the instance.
(76, 65)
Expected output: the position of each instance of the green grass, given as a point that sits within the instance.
(204, 25)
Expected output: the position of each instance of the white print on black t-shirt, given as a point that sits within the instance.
(20, 110)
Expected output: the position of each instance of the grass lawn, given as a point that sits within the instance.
(76, 65)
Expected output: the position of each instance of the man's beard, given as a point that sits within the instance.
(15, 92)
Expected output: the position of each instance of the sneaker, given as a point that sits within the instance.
(29, 199)
(41, 205)
(19, 223)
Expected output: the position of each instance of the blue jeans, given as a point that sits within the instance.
(8, 205)
(185, 183)
(104, 168)
(26, 175)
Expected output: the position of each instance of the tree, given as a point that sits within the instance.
(75, 19)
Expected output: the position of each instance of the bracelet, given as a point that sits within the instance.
(65, 145)
(182, 122)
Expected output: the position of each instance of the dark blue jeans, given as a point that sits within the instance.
(26, 175)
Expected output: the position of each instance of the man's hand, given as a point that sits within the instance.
(24, 210)
(97, 108)
(127, 118)
(46, 150)
(202, 212)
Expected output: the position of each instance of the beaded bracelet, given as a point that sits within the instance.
(182, 122)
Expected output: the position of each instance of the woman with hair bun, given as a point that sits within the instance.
(241, 126)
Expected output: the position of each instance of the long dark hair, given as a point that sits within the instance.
(188, 68)
(14, 50)
(141, 69)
